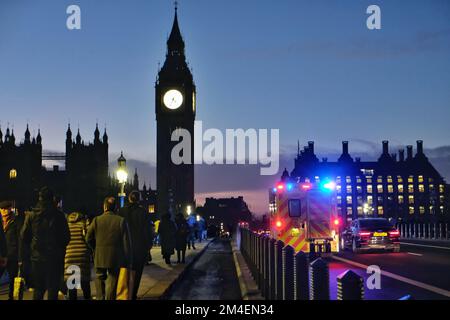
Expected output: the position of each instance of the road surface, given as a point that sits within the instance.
(420, 269)
(212, 277)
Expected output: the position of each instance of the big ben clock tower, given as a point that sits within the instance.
(175, 109)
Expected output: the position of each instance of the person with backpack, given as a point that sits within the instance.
(46, 231)
(181, 236)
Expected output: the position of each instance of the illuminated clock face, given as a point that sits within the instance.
(173, 99)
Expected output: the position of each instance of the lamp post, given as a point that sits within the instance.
(122, 177)
(12, 178)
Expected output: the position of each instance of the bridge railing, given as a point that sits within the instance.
(283, 274)
(418, 230)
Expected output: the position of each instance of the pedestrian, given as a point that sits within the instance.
(46, 231)
(108, 237)
(11, 229)
(192, 223)
(202, 228)
(153, 235)
(181, 238)
(78, 254)
(167, 230)
(140, 227)
(3, 250)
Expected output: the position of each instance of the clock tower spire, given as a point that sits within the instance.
(175, 109)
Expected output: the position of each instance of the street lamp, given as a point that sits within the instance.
(188, 210)
(122, 177)
(12, 178)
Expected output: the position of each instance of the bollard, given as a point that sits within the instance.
(272, 291)
(410, 230)
(257, 252)
(350, 286)
(260, 262)
(416, 235)
(301, 281)
(320, 280)
(434, 231)
(279, 270)
(288, 273)
(430, 235)
(440, 231)
(265, 291)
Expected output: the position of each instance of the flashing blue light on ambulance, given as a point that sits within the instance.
(330, 185)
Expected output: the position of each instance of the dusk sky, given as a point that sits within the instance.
(309, 68)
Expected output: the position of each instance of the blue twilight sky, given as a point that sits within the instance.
(310, 68)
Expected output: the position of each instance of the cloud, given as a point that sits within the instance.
(356, 48)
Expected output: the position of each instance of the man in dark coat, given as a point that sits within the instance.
(11, 229)
(140, 227)
(108, 236)
(46, 232)
(167, 230)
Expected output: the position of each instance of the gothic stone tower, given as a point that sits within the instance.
(175, 109)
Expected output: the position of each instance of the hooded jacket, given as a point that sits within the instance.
(46, 231)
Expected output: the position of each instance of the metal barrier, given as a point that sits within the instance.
(283, 274)
(429, 231)
(288, 273)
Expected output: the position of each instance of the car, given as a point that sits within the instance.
(365, 234)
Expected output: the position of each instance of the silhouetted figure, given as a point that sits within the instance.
(78, 254)
(140, 227)
(167, 230)
(108, 236)
(181, 237)
(46, 232)
(11, 229)
(192, 223)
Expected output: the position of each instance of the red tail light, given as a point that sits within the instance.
(364, 234)
(336, 222)
(394, 233)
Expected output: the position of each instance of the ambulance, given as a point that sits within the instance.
(305, 217)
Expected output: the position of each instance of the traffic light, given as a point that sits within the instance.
(278, 224)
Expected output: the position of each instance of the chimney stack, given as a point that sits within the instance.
(419, 147)
(409, 152)
(311, 147)
(401, 155)
(344, 147)
(385, 147)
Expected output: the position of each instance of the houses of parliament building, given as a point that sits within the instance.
(82, 185)
(404, 188)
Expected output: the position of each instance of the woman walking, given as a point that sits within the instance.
(78, 254)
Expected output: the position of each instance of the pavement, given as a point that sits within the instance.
(157, 278)
(211, 277)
